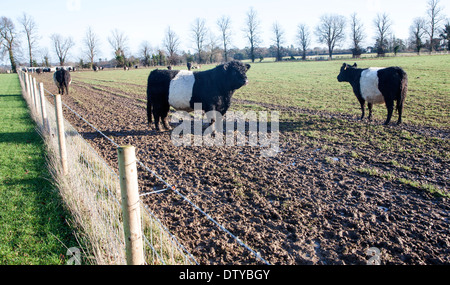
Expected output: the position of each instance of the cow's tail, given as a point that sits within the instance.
(402, 93)
(149, 107)
(403, 89)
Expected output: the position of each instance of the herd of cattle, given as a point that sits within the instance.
(213, 89)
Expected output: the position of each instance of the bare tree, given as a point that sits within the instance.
(383, 28)
(214, 53)
(278, 39)
(8, 40)
(118, 42)
(357, 33)
(171, 43)
(304, 38)
(252, 31)
(434, 14)
(224, 24)
(30, 29)
(417, 31)
(62, 46)
(199, 33)
(45, 57)
(331, 31)
(146, 52)
(91, 42)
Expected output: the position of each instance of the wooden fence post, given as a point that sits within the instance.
(30, 81)
(27, 86)
(130, 205)
(61, 135)
(45, 122)
(35, 95)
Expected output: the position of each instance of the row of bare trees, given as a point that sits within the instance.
(332, 28)
(429, 26)
(331, 31)
(10, 43)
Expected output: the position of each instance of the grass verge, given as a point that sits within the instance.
(34, 228)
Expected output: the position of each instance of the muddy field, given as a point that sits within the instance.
(319, 201)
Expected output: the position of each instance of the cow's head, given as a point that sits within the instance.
(236, 74)
(345, 75)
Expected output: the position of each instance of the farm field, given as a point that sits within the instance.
(338, 187)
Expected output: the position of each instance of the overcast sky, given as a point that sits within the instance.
(147, 20)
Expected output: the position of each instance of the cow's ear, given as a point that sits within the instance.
(248, 66)
(355, 65)
(225, 66)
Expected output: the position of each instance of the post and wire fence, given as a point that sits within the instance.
(119, 227)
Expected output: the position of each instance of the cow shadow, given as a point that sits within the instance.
(89, 136)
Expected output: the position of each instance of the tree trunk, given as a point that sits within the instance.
(252, 53)
(13, 62)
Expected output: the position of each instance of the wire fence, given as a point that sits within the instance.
(93, 190)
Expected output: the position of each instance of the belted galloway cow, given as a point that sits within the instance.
(62, 80)
(377, 86)
(181, 89)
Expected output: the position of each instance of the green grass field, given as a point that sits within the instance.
(33, 229)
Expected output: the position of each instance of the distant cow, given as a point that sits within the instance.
(181, 89)
(62, 80)
(377, 86)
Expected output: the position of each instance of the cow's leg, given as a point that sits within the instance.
(165, 122)
(211, 118)
(164, 115)
(363, 103)
(370, 111)
(400, 111)
(149, 112)
(215, 118)
(156, 116)
(390, 108)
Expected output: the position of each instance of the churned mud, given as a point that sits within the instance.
(328, 196)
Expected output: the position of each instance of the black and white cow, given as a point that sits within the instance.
(62, 80)
(181, 89)
(377, 86)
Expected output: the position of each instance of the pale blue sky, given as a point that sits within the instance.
(148, 19)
